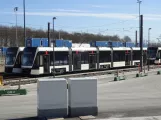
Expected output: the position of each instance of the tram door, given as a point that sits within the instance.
(46, 62)
(76, 61)
(127, 58)
(144, 58)
(92, 61)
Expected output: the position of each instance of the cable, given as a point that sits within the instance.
(122, 21)
(59, 26)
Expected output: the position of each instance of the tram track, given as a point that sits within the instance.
(105, 72)
(29, 80)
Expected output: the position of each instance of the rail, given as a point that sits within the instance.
(26, 80)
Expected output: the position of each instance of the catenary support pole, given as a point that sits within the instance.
(141, 43)
(49, 35)
(53, 48)
(136, 39)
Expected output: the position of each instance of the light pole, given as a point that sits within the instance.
(24, 20)
(149, 37)
(139, 2)
(148, 47)
(15, 10)
(54, 18)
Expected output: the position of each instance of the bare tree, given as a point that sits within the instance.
(127, 39)
(7, 36)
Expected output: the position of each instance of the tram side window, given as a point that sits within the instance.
(51, 58)
(21, 58)
(18, 61)
(84, 57)
(61, 58)
(136, 55)
(152, 52)
(37, 61)
(104, 56)
(159, 54)
(144, 57)
(118, 56)
(41, 60)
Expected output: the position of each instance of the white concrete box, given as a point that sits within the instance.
(52, 97)
(82, 96)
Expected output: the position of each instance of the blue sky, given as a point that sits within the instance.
(94, 16)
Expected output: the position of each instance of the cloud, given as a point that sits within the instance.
(152, 17)
(100, 6)
(69, 10)
(79, 13)
(57, 10)
(111, 6)
(82, 14)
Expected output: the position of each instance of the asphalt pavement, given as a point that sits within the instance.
(133, 97)
(130, 98)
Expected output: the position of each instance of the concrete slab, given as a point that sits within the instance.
(56, 119)
(87, 117)
(134, 118)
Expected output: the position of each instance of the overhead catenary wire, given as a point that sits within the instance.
(84, 27)
(121, 29)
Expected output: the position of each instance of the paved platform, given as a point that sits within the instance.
(135, 118)
(134, 97)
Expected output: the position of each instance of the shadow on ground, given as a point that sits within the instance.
(29, 118)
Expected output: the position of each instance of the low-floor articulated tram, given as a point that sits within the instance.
(158, 56)
(136, 56)
(154, 55)
(39, 60)
(13, 60)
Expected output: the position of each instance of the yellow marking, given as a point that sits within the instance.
(1, 80)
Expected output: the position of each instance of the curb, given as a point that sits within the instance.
(13, 92)
(119, 78)
(141, 74)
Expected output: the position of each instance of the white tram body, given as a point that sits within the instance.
(39, 60)
(81, 56)
(36, 61)
(136, 55)
(120, 56)
(105, 57)
(158, 55)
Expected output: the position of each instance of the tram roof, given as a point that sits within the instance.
(138, 48)
(104, 49)
(121, 48)
(84, 49)
(51, 48)
(21, 48)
